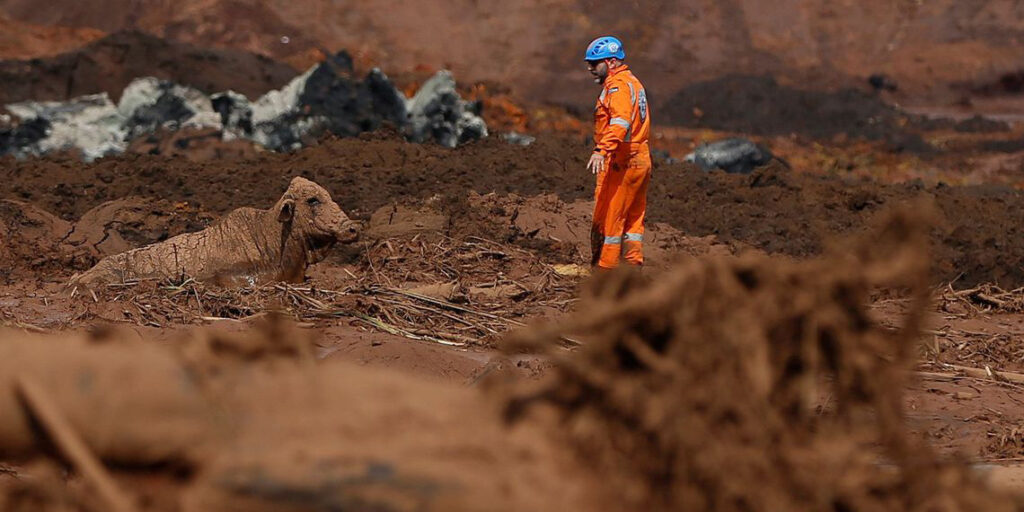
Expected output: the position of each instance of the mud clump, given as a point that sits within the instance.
(701, 388)
(29, 237)
(37, 242)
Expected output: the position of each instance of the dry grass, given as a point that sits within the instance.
(455, 292)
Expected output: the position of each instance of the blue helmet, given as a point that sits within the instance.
(605, 48)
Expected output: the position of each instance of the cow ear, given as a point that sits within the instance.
(287, 209)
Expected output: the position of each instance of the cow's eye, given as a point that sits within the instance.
(312, 201)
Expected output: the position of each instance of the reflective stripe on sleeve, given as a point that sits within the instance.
(620, 122)
(612, 240)
(634, 237)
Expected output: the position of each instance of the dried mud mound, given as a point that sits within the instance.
(760, 105)
(122, 224)
(700, 389)
(772, 210)
(29, 236)
(34, 240)
(111, 63)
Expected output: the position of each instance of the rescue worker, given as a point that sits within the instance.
(621, 158)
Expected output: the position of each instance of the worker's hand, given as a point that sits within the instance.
(596, 163)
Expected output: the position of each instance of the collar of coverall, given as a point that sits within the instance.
(617, 69)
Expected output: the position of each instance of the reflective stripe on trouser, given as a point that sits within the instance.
(620, 203)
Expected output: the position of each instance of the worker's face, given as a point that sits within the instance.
(598, 68)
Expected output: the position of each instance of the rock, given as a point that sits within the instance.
(664, 156)
(22, 135)
(882, 82)
(148, 104)
(437, 113)
(518, 139)
(327, 98)
(91, 124)
(235, 114)
(735, 156)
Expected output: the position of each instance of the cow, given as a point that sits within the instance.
(246, 246)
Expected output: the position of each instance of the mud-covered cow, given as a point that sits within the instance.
(246, 246)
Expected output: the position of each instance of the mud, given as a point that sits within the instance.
(122, 224)
(759, 105)
(698, 384)
(695, 386)
(923, 47)
(277, 433)
(31, 238)
(772, 210)
(39, 245)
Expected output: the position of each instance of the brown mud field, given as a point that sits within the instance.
(434, 322)
(849, 370)
(774, 210)
(840, 331)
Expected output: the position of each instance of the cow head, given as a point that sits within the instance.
(311, 215)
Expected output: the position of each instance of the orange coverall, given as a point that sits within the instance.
(622, 125)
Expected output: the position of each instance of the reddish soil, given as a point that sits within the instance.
(930, 49)
(708, 372)
(19, 40)
(247, 406)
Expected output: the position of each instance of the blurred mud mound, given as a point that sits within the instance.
(111, 63)
(700, 388)
(760, 105)
(248, 421)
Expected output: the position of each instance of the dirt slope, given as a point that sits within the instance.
(19, 39)
(111, 63)
(536, 44)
